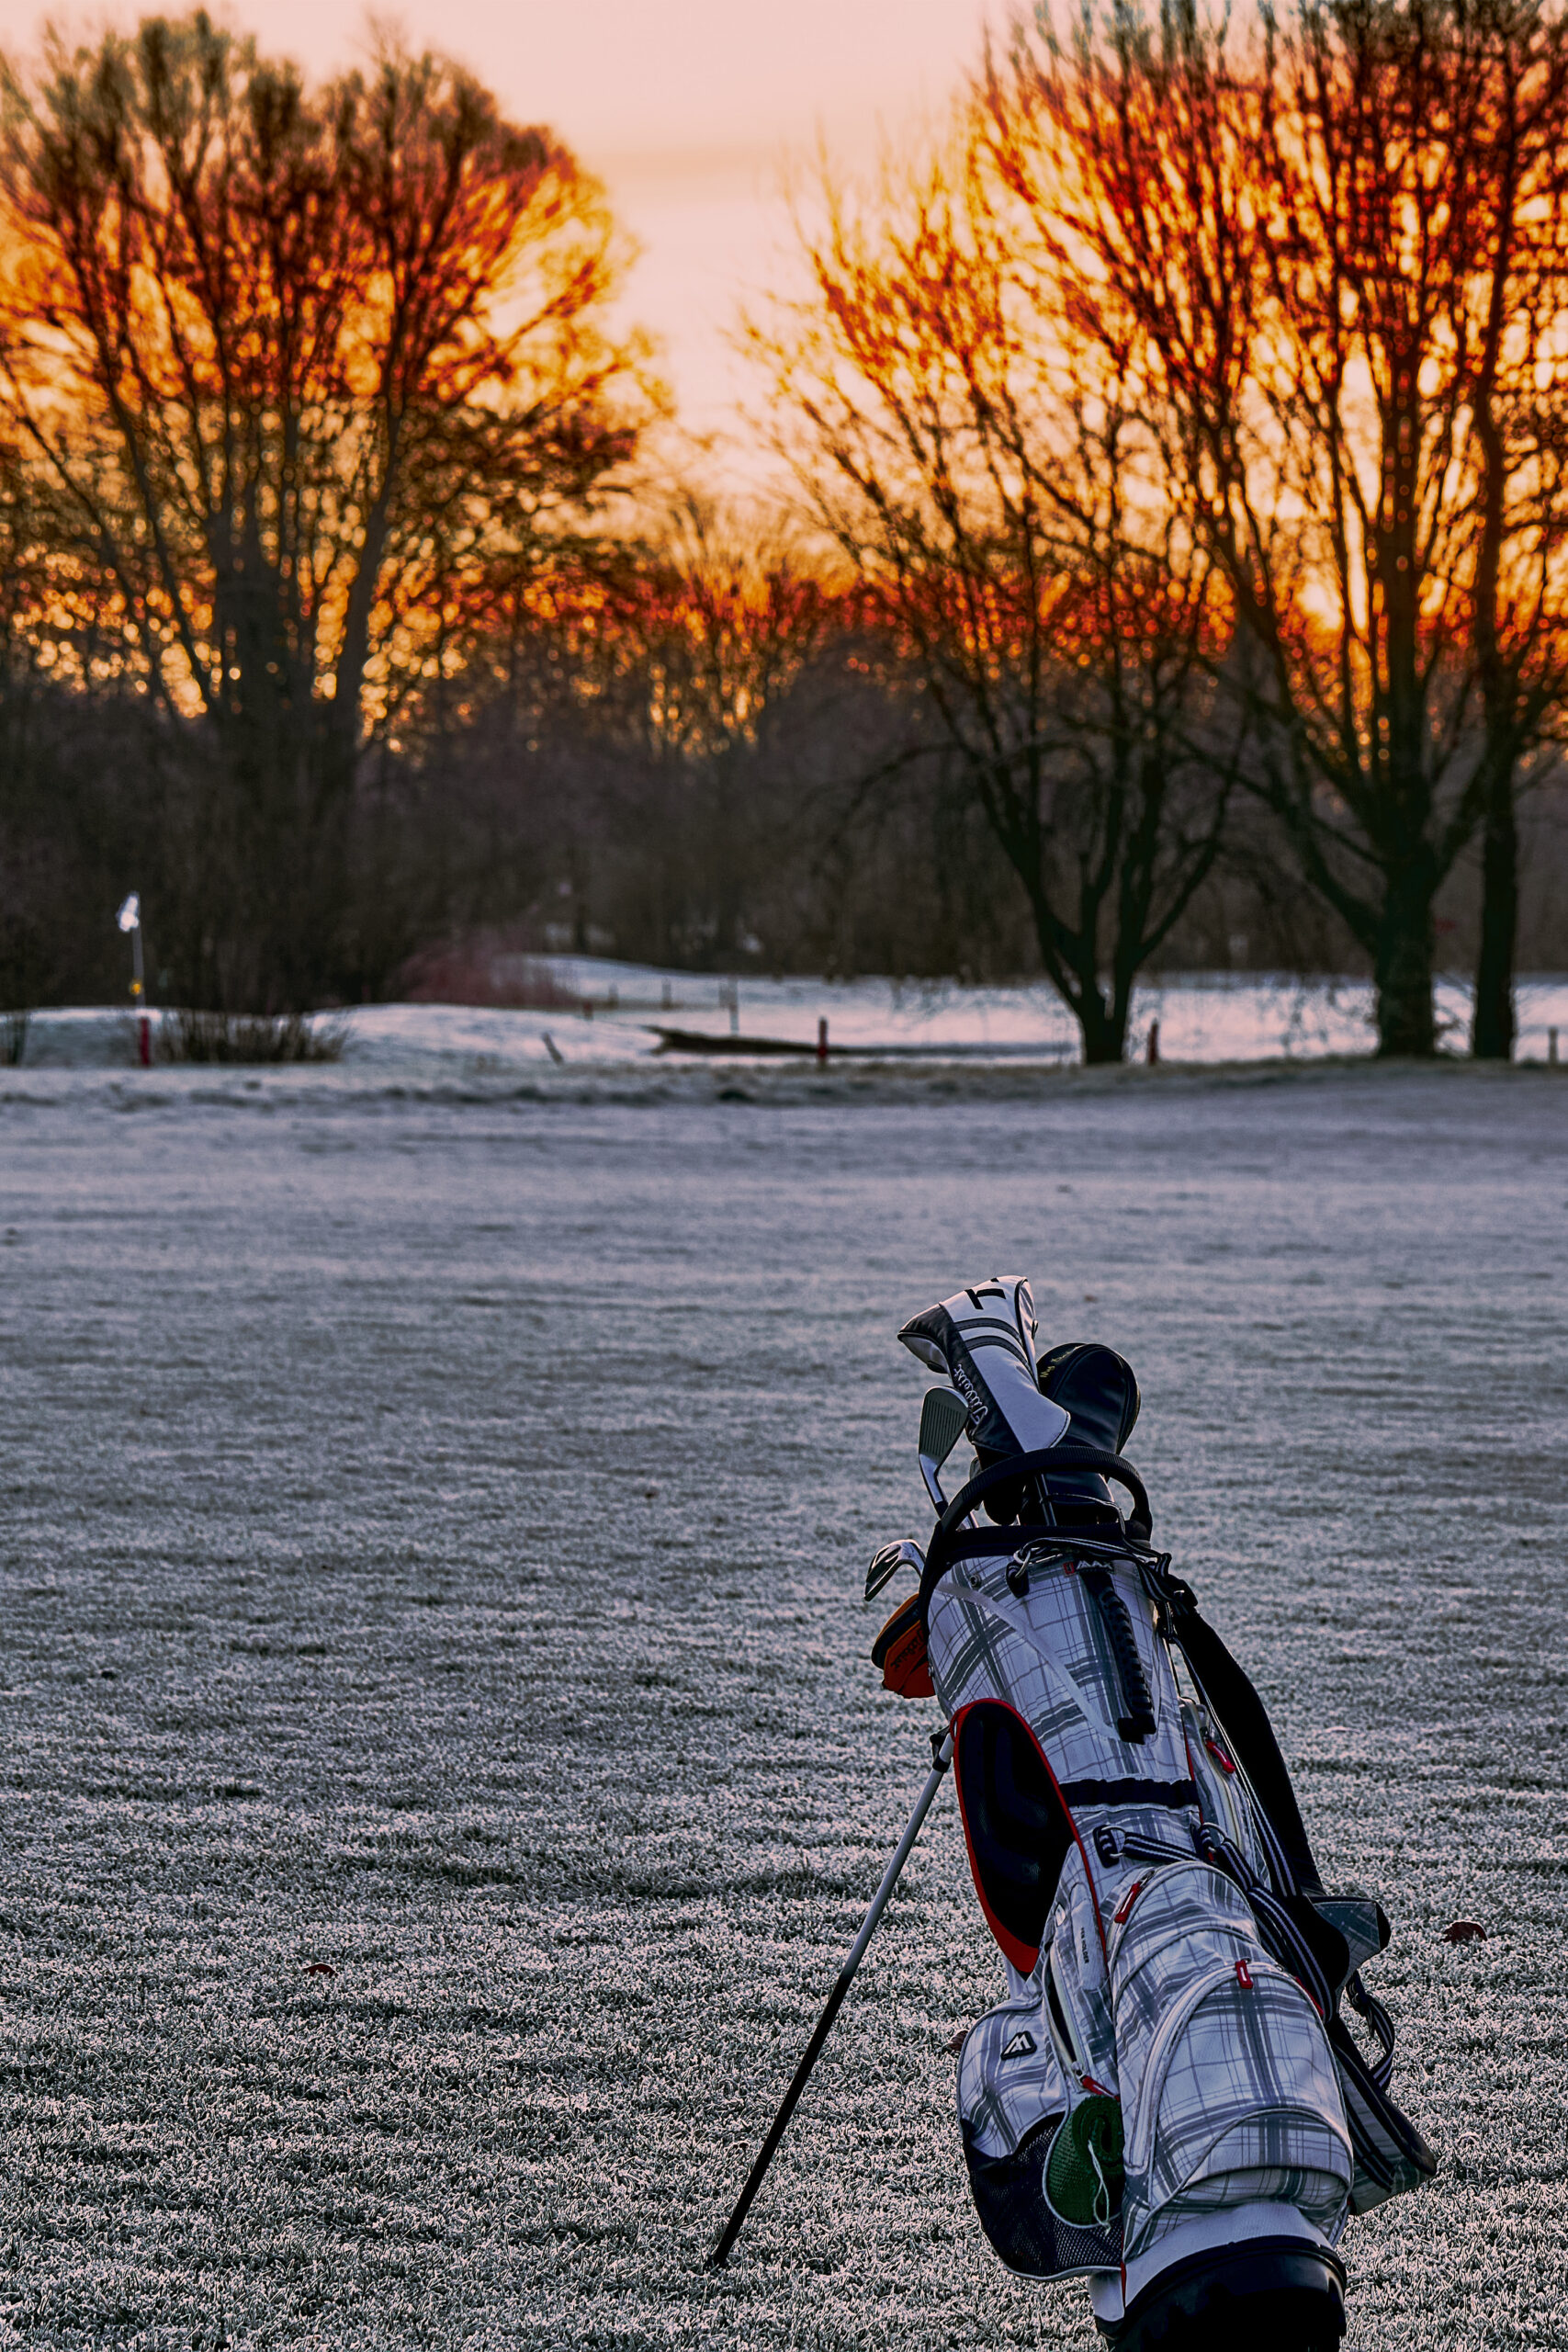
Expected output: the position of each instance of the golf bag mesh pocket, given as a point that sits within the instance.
(1012, 2101)
(1229, 2088)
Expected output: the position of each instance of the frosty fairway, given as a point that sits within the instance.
(536, 1703)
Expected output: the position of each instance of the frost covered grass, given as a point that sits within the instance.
(443, 1769)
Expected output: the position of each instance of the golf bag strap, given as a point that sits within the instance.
(1068, 1455)
(1390, 2152)
(1231, 1696)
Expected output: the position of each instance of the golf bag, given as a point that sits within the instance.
(1168, 2102)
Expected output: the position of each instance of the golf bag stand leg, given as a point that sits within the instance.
(941, 1756)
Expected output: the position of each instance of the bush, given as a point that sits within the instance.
(248, 1037)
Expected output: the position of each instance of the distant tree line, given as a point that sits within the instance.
(1175, 574)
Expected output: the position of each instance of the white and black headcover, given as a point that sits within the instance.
(983, 1340)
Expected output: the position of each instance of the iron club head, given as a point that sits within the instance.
(887, 1562)
(944, 1416)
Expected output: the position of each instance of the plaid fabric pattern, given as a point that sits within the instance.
(1250, 2091)
(1286, 2185)
(1355, 1916)
(1229, 2088)
(1224, 2083)
(1044, 1652)
(1187, 1917)
(1008, 2079)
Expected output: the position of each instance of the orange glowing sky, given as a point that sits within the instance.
(687, 111)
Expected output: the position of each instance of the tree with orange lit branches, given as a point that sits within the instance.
(291, 363)
(671, 665)
(990, 475)
(1339, 241)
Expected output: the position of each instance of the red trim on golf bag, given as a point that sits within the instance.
(1018, 1827)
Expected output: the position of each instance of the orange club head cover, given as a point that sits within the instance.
(900, 1651)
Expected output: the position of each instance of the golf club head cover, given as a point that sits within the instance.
(982, 1340)
(900, 1651)
(1096, 1386)
(1100, 1390)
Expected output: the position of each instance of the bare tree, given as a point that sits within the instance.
(1338, 244)
(1512, 62)
(989, 473)
(290, 361)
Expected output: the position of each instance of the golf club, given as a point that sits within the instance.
(886, 1564)
(944, 1416)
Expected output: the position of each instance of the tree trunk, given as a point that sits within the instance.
(1103, 1028)
(1492, 1025)
(1102, 1025)
(1404, 967)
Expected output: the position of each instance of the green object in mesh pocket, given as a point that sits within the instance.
(1084, 2171)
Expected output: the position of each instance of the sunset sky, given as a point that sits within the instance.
(687, 111)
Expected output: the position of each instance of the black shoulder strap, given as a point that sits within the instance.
(1231, 1697)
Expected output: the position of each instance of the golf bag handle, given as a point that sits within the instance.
(1070, 1455)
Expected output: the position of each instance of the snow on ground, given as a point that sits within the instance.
(1204, 1018)
(443, 1768)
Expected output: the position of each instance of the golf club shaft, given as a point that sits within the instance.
(943, 1757)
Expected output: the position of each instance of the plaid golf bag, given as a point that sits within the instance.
(1170, 2101)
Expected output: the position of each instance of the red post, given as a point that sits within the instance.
(145, 1027)
(822, 1038)
(1154, 1042)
